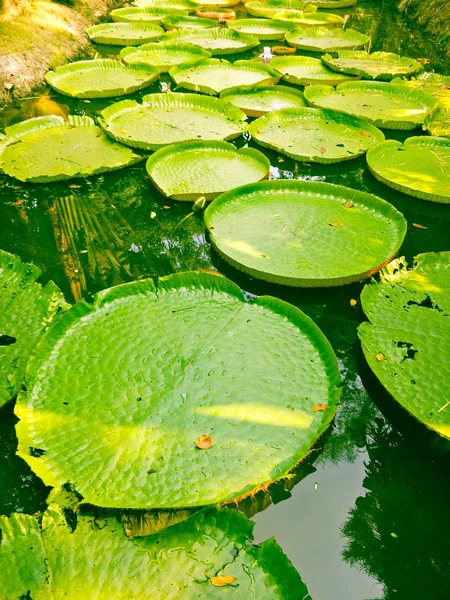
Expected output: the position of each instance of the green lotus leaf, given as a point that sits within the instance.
(382, 66)
(173, 363)
(321, 39)
(26, 310)
(100, 78)
(304, 233)
(436, 85)
(217, 40)
(184, 22)
(420, 167)
(259, 100)
(438, 122)
(215, 75)
(151, 14)
(170, 118)
(187, 171)
(94, 559)
(311, 19)
(304, 70)
(186, 5)
(332, 4)
(269, 8)
(314, 135)
(163, 55)
(263, 29)
(48, 149)
(125, 34)
(386, 105)
(405, 340)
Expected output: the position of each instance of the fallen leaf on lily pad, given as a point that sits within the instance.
(334, 224)
(365, 134)
(204, 442)
(222, 580)
(319, 407)
(348, 204)
(323, 149)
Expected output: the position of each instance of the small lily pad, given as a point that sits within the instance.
(312, 135)
(217, 40)
(214, 75)
(259, 100)
(170, 118)
(125, 34)
(321, 39)
(420, 167)
(382, 66)
(187, 171)
(304, 70)
(100, 78)
(263, 29)
(163, 55)
(304, 233)
(184, 22)
(151, 14)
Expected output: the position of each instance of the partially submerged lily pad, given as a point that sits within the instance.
(309, 134)
(89, 557)
(50, 149)
(184, 22)
(215, 75)
(163, 55)
(431, 83)
(420, 167)
(188, 171)
(259, 100)
(217, 40)
(405, 341)
(169, 118)
(26, 310)
(304, 70)
(263, 29)
(185, 359)
(269, 8)
(438, 122)
(321, 39)
(386, 105)
(100, 78)
(151, 14)
(304, 233)
(382, 66)
(125, 34)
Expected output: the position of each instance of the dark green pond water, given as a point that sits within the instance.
(368, 517)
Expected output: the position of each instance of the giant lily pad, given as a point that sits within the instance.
(309, 134)
(188, 171)
(125, 34)
(100, 78)
(332, 4)
(87, 557)
(259, 100)
(304, 233)
(405, 341)
(214, 75)
(177, 364)
(169, 118)
(304, 70)
(321, 39)
(385, 105)
(217, 40)
(311, 19)
(269, 8)
(431, 83)
(216, 3)
(50, 149)
(184, 22)
(163, 55)
(151, 14)
(382, 66)
(420, 167)
(186, 5)
(26, 310)
(438, 122)
(263, 29)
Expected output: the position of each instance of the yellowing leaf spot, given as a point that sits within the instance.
(348, 204)
(319, 407)
(365, 134)
(323, 149)
(334, 224)
(419, 226)
(222, 580)
(379, 356)
(122, 130)
(203, 443)
(353, 302)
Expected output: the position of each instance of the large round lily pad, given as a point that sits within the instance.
(217, 40)
(188, 171)
(431, 83)
(309, 134)
(259, 100)
(151, 14)
(304, 233)
(405, 341)
(309, 19)
(186, 362)
(269, 8)
(386, 105)
(163, 55)
(332, 4)
(26, 310)
(60, 555)
(184, 22)
(186, 5)
(420, 167)
(169, 118)
(215, 75)
(304, 70)
(125, 34)
(50, 149)
(100, 78)
(321, 39)
(263, 29)
(382, 66)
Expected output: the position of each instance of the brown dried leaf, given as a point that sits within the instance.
(319, 407)
(365, 133)
(322, 149)
(222, 580)
(306, 127)
(348, 204)
(353, 302)
(334, 224)
(204, 442)
(419, 226)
